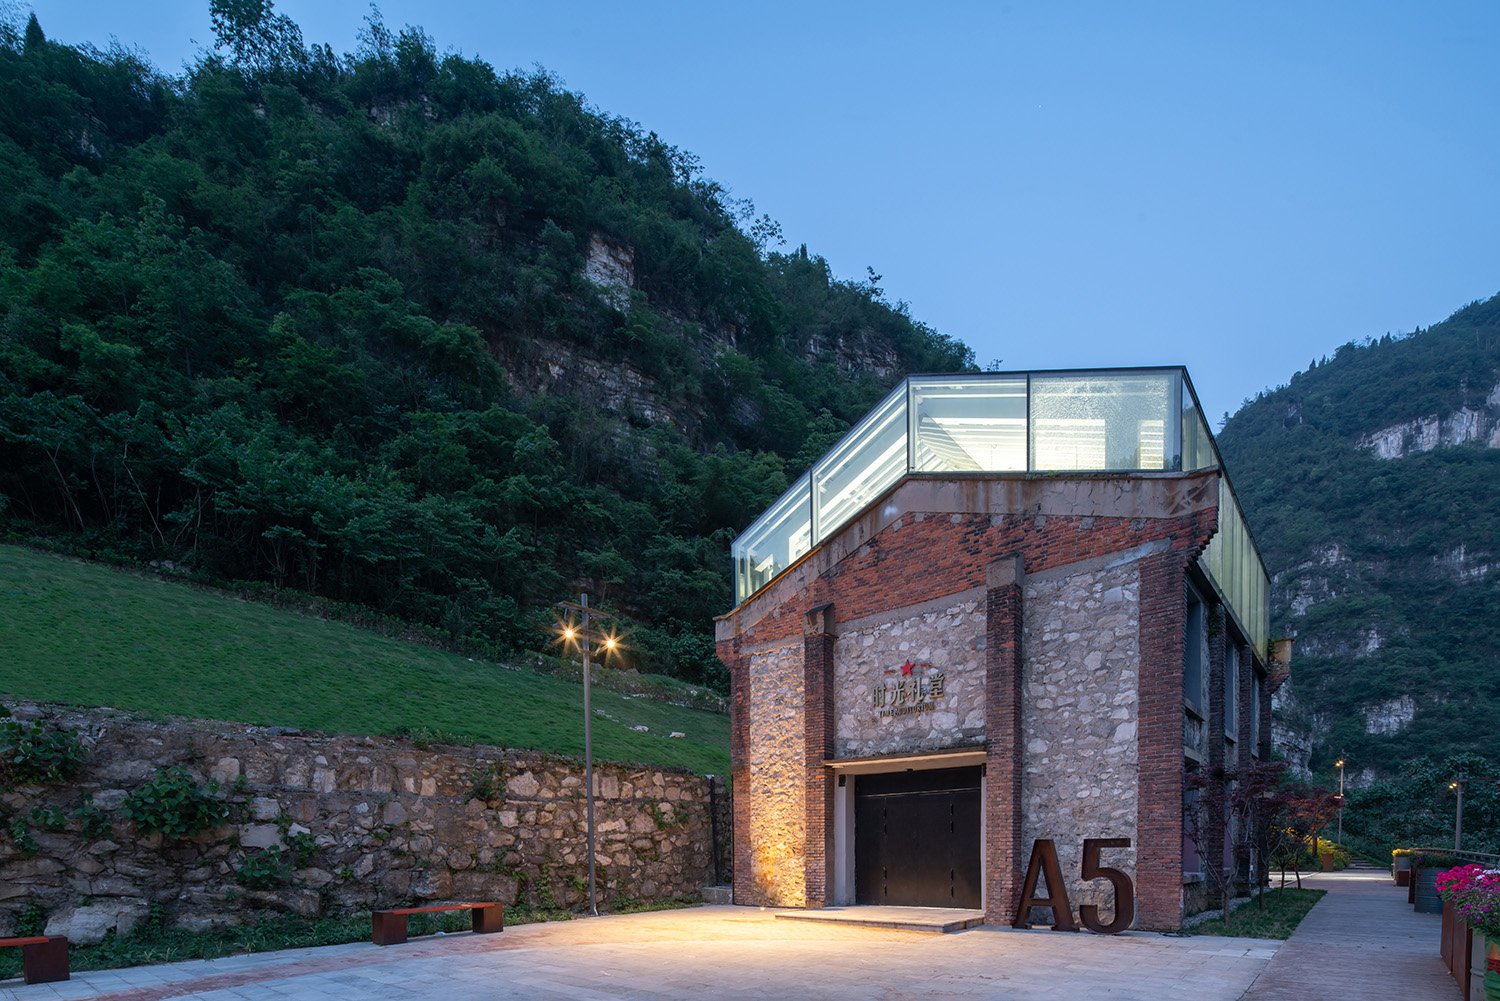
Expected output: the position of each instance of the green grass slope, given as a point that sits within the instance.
(84, 634)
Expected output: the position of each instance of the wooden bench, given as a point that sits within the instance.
(389, 927)
(44, 958)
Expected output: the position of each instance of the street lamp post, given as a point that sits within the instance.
(1457, 785)
(1340, 763)
(585, 636)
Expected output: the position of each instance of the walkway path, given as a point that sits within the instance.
(1363, 940)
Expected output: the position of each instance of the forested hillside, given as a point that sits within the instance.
(401, 331)
(1372, 482)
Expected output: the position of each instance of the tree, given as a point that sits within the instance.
(257, 38)
(1244, 801)
(35, 38)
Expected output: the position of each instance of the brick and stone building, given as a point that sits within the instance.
(1005, 607)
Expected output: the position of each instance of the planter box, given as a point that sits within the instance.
(1401, 869)
(1424, 895)
(1473, 981)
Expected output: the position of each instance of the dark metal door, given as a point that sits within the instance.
(916, 838)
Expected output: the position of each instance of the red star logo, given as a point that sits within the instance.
(906, 668)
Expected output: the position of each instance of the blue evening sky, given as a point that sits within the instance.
(1237, 188)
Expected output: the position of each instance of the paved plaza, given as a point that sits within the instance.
(719, 952)
(1360, 941)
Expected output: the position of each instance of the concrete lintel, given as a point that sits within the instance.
(1005, 571)
(916, 761)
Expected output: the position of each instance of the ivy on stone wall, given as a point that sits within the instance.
(37, 753)
(174, 805)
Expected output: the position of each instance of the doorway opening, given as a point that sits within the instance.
(917, 838)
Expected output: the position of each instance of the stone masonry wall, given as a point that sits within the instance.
(390, 824)
(1080, 700)
(777, 804)
(951, 640)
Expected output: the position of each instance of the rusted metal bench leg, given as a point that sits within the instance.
(488, 919)
(46, 962)
(387, 929)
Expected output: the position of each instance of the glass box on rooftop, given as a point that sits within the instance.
(1104, 421)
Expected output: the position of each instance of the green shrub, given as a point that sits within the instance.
(265, 869)
(94, 821)
(302, 845)
(171, 803)
(1339, 852)
(484, 783)
(49, 818)
(20, 836)
(32, 921)
(37, 753)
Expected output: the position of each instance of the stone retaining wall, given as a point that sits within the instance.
(382, 822)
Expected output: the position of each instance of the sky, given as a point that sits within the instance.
(1237, 188)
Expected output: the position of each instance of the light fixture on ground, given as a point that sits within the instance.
(1339, 764)
(577, 628)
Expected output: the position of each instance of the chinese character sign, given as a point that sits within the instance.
(909, 688)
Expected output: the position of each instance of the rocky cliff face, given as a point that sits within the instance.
(1479, 424)
(1370, 484)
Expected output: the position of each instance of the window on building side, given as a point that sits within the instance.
(1232, 691)
(1256, 694)
(1194, 653)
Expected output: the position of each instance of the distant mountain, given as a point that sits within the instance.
(404, 332)
(1372, 483)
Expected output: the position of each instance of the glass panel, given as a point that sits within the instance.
(861, 466)
(970, 425)
(1197, 446)
(1106, 421)
(777, 540)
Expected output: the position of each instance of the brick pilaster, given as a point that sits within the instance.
(1002, 713)
(1212, 848)
(1158, 873)
(1265, 721)
(739, 769)
(817, 661)
(1245, 695)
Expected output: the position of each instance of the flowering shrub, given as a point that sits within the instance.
(1474, 892)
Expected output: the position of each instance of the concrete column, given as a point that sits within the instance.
(818, 687)
(1002, 683)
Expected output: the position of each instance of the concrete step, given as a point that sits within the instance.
(939, 920)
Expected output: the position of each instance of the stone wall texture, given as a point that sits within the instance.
(390, 824)
(951, 641)
(1079, 712)
(776, 808)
